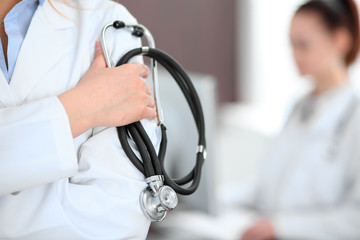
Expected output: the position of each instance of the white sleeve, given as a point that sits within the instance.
(36, 145)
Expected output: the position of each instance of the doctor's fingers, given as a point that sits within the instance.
(99, 58)
(145, 108)
(147, 89)
(150, 102)
(134, 68)
(149, 113)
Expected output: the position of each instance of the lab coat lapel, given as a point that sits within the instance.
(6, 96)
(50, 36)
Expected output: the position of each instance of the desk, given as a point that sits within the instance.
(183, 225)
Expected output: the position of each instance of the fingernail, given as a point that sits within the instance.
(97, 45)
(145, 68)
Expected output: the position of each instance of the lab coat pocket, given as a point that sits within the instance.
(109, 187)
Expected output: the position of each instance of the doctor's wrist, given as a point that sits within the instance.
(79, 119)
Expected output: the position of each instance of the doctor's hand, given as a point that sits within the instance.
(108, 96)
(261, 230)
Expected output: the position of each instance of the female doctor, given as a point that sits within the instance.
(310, 183)
(63, 173)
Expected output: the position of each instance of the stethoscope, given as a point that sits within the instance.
(161, 194)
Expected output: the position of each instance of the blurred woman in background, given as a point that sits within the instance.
(310, 184)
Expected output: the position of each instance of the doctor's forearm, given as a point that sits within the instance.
(79, 120)
(47, 149)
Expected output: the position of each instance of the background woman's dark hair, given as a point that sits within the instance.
(338, 14)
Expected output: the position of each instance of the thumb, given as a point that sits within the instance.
(99, 59)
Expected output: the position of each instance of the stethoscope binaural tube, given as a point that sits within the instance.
(160, 196)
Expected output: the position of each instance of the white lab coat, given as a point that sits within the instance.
(52, 186)
(310, 183)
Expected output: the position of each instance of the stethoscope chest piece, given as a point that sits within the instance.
(157, 199)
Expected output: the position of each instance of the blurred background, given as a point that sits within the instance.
(239, 55)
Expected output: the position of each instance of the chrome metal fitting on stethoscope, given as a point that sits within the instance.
(158, 199)
(161, 194)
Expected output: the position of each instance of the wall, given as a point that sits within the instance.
(267, 70)
(200, 34)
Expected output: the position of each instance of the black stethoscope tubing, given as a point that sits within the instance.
(153, 164)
